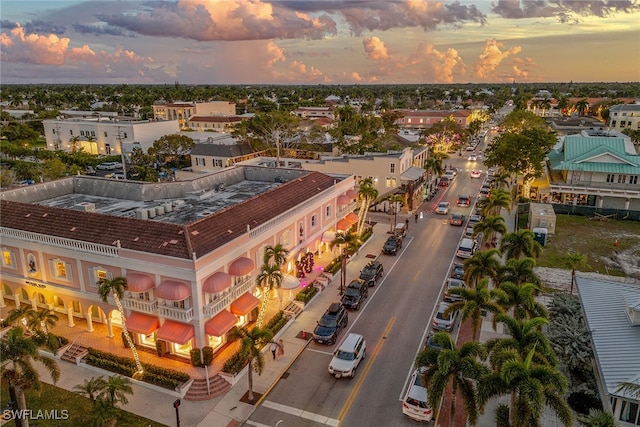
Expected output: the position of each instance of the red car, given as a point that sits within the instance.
(444, 182)
(456, 219)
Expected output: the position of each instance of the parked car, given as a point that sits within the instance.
(475, 173)
(348, 356)
(464, 200)
(474, 219)
(107, 166)
(441, 322)
(355, 294)
(414, 404)
(473, 157)
(391, 246)
(453, 283)
(457, 219)
(443, 208)
(484, 194)
(372, 272)
(444, 182)
(468, 232)
(430, 343)
(457, 271)
(331, 324)
(90, 170)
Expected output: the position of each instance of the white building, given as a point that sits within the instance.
(624, 116)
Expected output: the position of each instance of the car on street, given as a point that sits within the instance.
(391, 246)
(415, 405)
(457, 271)
(484, 194)
(464, 200)
(443, 208)
(107, 166)
(90, 170)
(451, 174)
(348, 356)
(355, 294)
(453, 283)
(442, 322)
(474, 219)
(430, 343)
(473, 158)
(468, 232)
(372, 272)
(444, 182)
(331, 324)
(456, 219)
(475, 173)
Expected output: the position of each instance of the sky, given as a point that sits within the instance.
(319, 42)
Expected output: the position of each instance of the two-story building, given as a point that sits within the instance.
(595, 168)
(423, 119)
(624, 116)
(190, 250)
(217, 123)
(182, 111)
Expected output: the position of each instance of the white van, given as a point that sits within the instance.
(467, 248)
(348, 356)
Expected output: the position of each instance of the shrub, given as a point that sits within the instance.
(582, 403)
(306, 294)
(160, 347)
(333, 266)
(277, 322)
(207, 355)
(235, 363)
(196, 360)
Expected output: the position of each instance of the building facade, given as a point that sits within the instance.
(624, 116)
(190, 250)
(214, 123)
(182, 111)
(423, 119)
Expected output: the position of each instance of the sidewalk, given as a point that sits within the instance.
(228, 410)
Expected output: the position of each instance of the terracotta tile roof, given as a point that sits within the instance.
(217, 119)
(201, 237)
(220, 228)
(138, 235)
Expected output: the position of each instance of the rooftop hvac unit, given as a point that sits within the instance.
(168, 207)
(159, 210)
(151, 212)
(141, 214)
(177, 203)
(86, 206)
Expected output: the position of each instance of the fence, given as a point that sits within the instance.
(588, 211)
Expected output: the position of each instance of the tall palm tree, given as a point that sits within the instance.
(502, 180)
(521, 298)
(573, 260)
(20, 316)
(520, 243)
(519, 270)
(42, 320)
(115, 390)
(532, 387)
(482, 264)
(394, 199)
(433, 165)
(475, 301)
(489, 227)
(275, 254)
(91, 388)
(19, 353)
(115, 288)
(349, 241)
(497, 199)
(250, 348)
(459, 366)
(524, 335)
(367, 194)
(269, 278)
(582, 106)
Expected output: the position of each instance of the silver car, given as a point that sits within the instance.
(443, 208)
(441, 322)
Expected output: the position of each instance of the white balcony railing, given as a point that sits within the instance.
(220, 304)
(136, 304)
(181, 314)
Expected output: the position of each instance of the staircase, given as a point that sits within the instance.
(198, 389)
(73, 353)
(294, 309)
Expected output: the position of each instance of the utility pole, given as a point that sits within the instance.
(122, 157)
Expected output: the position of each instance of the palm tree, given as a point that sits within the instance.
(275, 254)
(91, 388)
(522, 299)
(520, 243)
(115, 288)
(20, 316)
(104, 413)
(632, 389)
(489, 227)
(269, 278)
(476, 301)
(115, 390)
(367, 194)
(573, 260)
(482, 264)
(349, 243)
(497, 199)
(394, 199)
(433, 165)
(598, 418)
(250, 349)
(519, 270)
(459, 366)
(19, 353)
(582, 106)
(532, 387)
(525, 335)
(501, 180)
(42, 320)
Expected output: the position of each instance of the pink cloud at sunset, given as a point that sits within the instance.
(492, 56)
(375, 49)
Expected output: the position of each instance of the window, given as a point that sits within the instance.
(217, 163)
(314, 221)
(327, 211)
(60, 269)
(633, 179)
(629, 412)
(284, 238)
(392, 168)
(81, 133)
(124, 135)
(622, 179)
(613, 123)
(105, 134)
(610, 177)
(71, 132)
(8, 259)
(179, 304)
(93, 134)
(391, 182)
(54, 131)
(107, 148)
(143, 296)
(623, 123)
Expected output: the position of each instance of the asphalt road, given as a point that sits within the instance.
(394, 321)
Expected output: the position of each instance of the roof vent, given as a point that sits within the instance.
(633, 312)
(85, 206)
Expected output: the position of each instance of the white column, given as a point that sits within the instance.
(600, 200)
(626, 204)
(89, 321)
(16, 298)
(109, 328)
(2, 304)
(70, 316)
(34, 305)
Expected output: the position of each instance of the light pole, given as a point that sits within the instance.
(176, 404)
(343, 271)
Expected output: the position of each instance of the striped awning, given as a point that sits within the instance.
(220, 324)
(142, 323)
(137, 282)
(241, 267)
(217, 282)
(244, 304)
(173, 291)
(175, 332)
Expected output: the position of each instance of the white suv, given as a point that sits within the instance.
(348, 356)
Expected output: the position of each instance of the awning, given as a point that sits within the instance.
(175, 332)
(142, 323)
(352, 218)
(241, 267)
(343, 200)
(343, 224)
(328, 236)
(173, 291)
(289, 282)
(352, 193)
(220, 324)
(137, 282)
(244, 304)
(412, 173)
(217, 282)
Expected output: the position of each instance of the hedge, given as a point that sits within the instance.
(306, 294)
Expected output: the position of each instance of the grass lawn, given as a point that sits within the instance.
(592, 238)
(78, 408)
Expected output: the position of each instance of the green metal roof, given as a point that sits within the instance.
(596, 154)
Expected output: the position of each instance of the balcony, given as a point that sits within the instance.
(220, 304)
(175, 313)
(597, 188)
(136, 304)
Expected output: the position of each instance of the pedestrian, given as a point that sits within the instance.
(274, 347)
(280, 348)
(415, 217)
(406, 222)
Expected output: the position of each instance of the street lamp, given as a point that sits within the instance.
(343, 270)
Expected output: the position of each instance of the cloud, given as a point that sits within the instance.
(375, 49)
(440, 67)
(564, 10)
(522, 68)
(33, 48)
(207, 20)
(492, 56)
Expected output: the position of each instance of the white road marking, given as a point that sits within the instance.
(328, 353)
(301, 413)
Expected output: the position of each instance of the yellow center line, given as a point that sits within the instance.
(365, 371)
